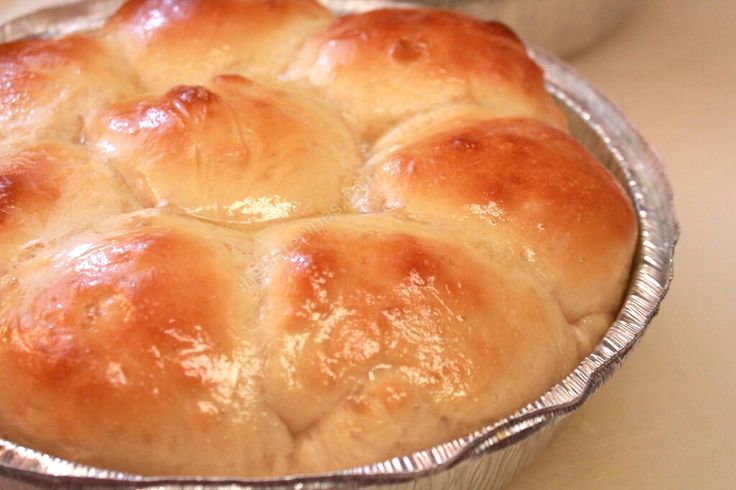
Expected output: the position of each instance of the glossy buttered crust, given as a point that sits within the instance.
(523, 189)
(232, 151)
(386, 65)
(49, 88)
(190, 41)
(241, 237)
(50, 188)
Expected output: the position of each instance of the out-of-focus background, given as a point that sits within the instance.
(668, 418)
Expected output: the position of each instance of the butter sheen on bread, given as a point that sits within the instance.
(247, 238)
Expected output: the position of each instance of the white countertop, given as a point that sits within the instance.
(668, 417)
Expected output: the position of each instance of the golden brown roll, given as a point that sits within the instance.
(380, 240)
(48, 88)
(385, 65)
(235, 151)
(51, 188)
(529, 191)
(132, 345)
(189, 41)
(389, 338)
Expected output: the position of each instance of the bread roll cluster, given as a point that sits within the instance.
(246, 238)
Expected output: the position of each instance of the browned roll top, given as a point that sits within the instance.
(189, 41)
(524, 188)
(244, 238)
(385, 65)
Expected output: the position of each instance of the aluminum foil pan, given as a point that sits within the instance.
(487, 458)
(561, 26)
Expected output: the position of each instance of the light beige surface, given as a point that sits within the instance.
(667, 419)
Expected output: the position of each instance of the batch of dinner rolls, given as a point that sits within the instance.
(248, 238)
